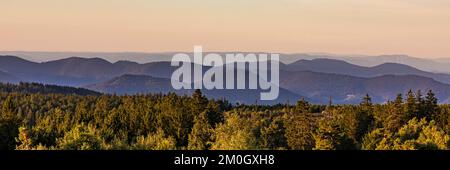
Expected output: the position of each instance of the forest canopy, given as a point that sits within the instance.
(34, 117)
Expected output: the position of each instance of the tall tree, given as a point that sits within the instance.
(81, 137)
(366, 101)
(236, 133)
(9, 125)
(302, 106)
(420, 104)
(299, 132)
(199, 102)
(396, 117)
(200, 136)
(330, 135)
(431, 105)
(273, 136)
(411, 105)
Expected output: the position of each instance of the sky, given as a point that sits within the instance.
(418, 28)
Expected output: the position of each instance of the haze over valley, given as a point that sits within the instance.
(302, 76)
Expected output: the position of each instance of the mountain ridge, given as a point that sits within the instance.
(342, 87)
(439, 65)
(130, 84)
(345, 68)
(315, 79)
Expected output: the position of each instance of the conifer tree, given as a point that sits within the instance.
(200, 136)
(199, 102)
(411, 105)
(330, 135)
(9, 125)
(273, 136)
(420, 104)
(431, 105)
(299, 132)
(366, 101)
(24, 141)
(396, 117)
(302, 106)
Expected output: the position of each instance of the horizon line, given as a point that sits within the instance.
(214, 51)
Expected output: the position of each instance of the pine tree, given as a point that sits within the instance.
(200, 136)
(356, 121)
(420, 105)
(273, 136)
(302, 106)
(9, 125)
(199, 103)
(366, 101)
(299, 132)
(411, 105)
(80, 137)
(8, 109)
(214, 112)
(396, 117)
(398, 100)
(236, 133)
(330, 101)
(398, 107)
(330, 135)
(24, 141)
(366, 104)
(154, 141)
(431, 105)
(199, 100)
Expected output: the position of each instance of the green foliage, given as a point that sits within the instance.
(366, 101)
(431, 105)
(376, 139)
(273, 136)
(24, 140)
(8, 125)
(411, 105)
(46, 120)
(396, 116)
(331, 135)
(80, 137)
(157, 141)
(415, 135)
(299, 132)
(433, 138)
(200, 136)
(302, 106)
(355, 121)
(235, 134)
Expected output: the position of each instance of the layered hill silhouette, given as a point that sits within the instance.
(316, 79)
(433, 65)
(77, 71)
(345, 89)
(7, 78)
(141, 84)
(32, 88)
(342, 67)
(134, 84)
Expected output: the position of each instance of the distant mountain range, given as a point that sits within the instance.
(315, 79)
(44, 89)
(431, 65)
(140, 84)
(345, 89)
(134, 84)
(77, 71)
(7, 78)
(342, 67)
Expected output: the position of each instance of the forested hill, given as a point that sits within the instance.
(44, 89)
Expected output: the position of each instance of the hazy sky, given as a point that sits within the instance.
(419, 28)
